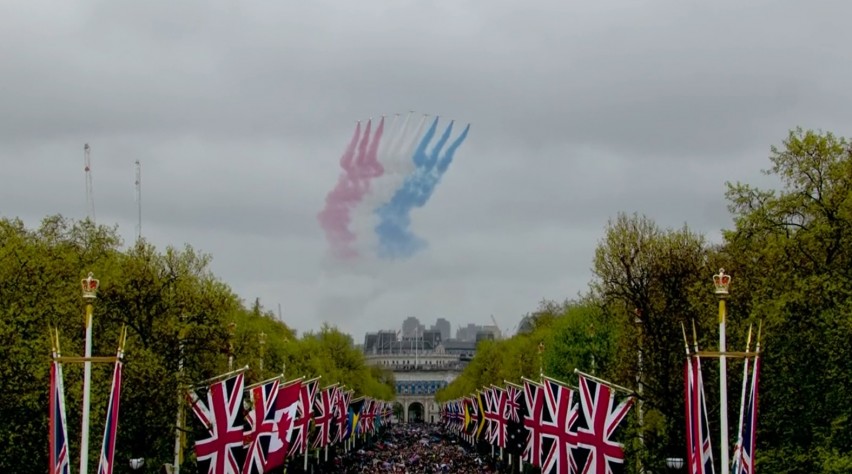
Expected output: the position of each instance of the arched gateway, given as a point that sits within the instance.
(419, 374)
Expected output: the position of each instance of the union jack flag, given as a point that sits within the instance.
(378, 415)
(220, 411)
(262, 426)
(559, 414)
(341, 416)
(59, 463)
(368, 414)
(286, 409)
(473, 419)
(107, 459)
(499, 434)
(744, 451)
(302, 423)
(491, 414)
(699, 449)
(324, 416)
(534, 399)
(458, 415)
(597, 424)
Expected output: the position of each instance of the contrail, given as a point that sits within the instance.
(395, 238)
(360, 165)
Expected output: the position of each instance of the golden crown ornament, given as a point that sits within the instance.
(722, 282)
(90, 287)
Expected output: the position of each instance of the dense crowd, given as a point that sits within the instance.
(410, 449)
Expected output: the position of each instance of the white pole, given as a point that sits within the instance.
(87, 381)
(639, 411)
(722, 281)
(179, 423)
(723, 388)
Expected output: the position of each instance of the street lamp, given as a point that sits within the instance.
(136, 463)
(262, 341)
(638, 320)
(722, 283)
(675, 464)
(232, 329)
(90, 293)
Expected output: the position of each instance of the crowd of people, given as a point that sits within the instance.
(412, 448)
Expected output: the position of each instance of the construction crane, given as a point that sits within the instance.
(138, 200)
(497, 326)
(90, 198)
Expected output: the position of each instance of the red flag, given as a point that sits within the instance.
(285, 412)
(107, 459)
(700, 451)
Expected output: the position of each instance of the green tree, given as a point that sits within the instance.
(581, 338)
(650, 282)
(175, 310)
(791, 251)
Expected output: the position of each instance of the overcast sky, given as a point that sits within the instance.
(239, 111)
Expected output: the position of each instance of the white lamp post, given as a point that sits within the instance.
(90, 293)
(722, 283)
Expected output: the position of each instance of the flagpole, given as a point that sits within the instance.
(232, 329)
(604, 382)
(722, 281)
(738, 444)
(90, 288)
(540, 362)
(179, 424)
(221, 376)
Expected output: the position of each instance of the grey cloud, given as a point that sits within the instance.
(239, 114)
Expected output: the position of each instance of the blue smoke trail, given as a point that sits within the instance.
(395, 238)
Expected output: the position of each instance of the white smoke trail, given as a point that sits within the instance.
(395, 155)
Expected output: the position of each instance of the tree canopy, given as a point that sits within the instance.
(790, 254)
(175, 310)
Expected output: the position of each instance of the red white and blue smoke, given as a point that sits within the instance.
(386, 173)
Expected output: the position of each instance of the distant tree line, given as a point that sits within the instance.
(174, 308)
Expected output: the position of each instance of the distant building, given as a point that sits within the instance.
(473, 331)
(431, 337)
(410, 326)
(423, 361)
(443, 326)
(380, 342)
(526, 325)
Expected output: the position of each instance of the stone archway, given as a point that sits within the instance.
(398, 412)
(415, 412)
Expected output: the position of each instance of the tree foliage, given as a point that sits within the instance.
(793, 254)
(790, 254)
(175, 310)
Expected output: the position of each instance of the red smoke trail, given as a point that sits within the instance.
(353, 184)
